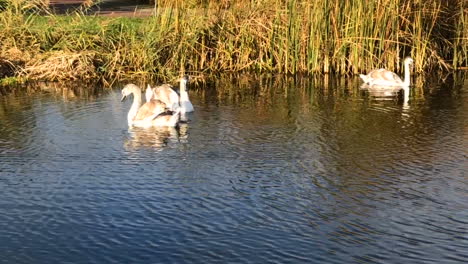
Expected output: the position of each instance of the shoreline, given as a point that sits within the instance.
(116, 8)
(259, 39)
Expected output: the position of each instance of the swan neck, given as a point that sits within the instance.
(135, 106)
(406, 81)
(183, 91)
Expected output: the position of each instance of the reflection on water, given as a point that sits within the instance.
(267, 169)
(156, 137)
(379, 92)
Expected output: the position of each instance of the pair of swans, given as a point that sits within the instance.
(162, 108)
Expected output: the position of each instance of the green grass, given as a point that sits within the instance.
(204, 37)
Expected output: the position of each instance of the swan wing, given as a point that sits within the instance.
(168, 95)
(391, 76)
(150, 110)
(370, 76)
(164, 90)
(170, 119)
(384, 75)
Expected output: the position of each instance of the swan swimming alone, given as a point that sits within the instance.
(152, 113)
(385, 78)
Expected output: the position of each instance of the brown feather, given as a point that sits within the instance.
(152, 108)
(382, 74)
(167, 95)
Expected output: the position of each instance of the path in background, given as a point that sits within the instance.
(107, 8)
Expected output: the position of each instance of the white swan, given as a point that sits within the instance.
(185, 103)
(149, 93)
(385, 78)
(152, 113)
(164, 93)
(170, 97)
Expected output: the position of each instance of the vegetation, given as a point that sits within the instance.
(200, 36)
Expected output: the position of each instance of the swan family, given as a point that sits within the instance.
(163, 106)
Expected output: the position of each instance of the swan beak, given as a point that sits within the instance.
(123, 98)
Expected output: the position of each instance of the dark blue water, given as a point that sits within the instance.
(267, 170)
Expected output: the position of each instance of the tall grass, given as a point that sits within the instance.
(199, 36)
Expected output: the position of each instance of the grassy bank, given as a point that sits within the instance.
(285, 36)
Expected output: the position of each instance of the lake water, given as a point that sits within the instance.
(268, 169)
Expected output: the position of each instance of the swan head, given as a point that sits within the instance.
(408, 60)
(184, 79)
(127, 90)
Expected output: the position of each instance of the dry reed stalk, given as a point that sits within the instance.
(286, 36)
(61, 66)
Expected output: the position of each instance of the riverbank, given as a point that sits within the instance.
(109, 8)
(261, 36)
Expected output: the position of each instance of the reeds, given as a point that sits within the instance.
(285, 36)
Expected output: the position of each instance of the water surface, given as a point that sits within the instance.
(268, 169)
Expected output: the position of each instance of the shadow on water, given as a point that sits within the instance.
(293, 169)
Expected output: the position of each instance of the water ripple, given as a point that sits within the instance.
(278, 175)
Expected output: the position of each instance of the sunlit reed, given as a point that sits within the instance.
(205, 37)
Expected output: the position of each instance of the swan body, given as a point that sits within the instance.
(164, 93)
(149, 114)
(171, 97)
(167, 119)
(385, 78)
